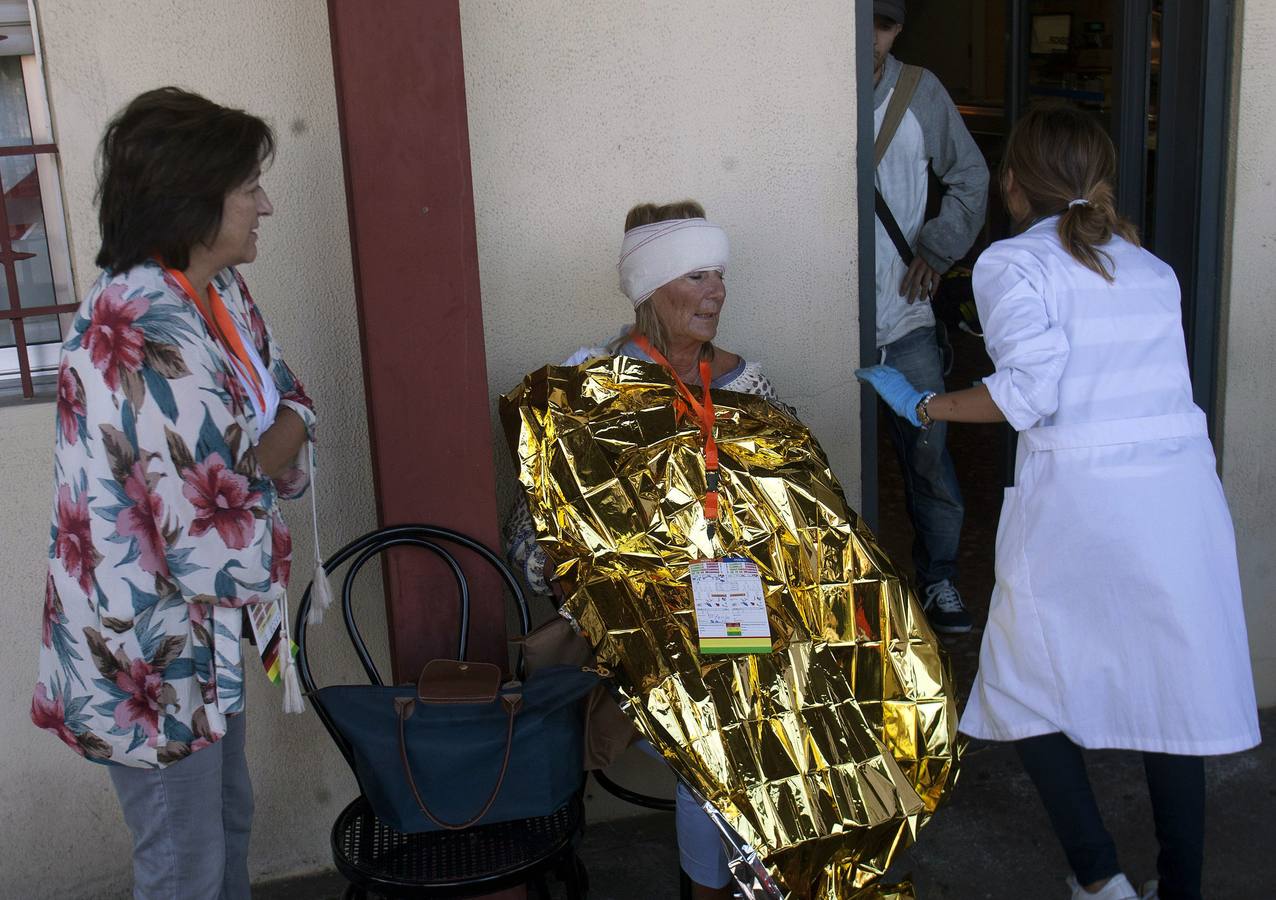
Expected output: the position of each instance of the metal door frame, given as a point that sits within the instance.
(1191, 182)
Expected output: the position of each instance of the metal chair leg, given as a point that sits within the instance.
(577, 879)
(541, 887)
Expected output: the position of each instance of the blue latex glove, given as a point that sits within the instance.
(894, 389)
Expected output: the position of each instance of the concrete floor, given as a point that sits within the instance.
(992, 842)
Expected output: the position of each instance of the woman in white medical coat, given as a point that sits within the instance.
(1116, 620)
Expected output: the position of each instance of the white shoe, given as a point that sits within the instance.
(1148, 891)
(1117, 888)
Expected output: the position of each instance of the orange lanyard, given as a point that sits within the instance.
(224, 331)
(703, 410)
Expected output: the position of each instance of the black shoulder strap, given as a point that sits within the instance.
(892, 228)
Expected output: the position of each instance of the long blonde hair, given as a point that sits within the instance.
(1057, 154)
(645, 319)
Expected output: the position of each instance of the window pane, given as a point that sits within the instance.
(20, 185)
(40, 330)
(15, 123)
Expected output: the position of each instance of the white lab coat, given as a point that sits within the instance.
(1116, 617)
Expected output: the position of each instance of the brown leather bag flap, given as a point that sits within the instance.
(454, 681)
(555, 643)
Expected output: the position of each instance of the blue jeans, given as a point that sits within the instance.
(700, 850)
(931, 491)
(190, 822)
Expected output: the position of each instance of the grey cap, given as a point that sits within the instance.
(891, 9)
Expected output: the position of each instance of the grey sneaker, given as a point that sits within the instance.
(944, 608)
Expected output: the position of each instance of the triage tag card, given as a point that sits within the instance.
(265, 620)
(730, 607)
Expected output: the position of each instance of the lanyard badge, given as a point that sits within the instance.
(729, 601)
(703, 411)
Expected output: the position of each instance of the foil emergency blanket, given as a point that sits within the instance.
(826, 755)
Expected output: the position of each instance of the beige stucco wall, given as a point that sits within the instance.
(61, 834)
(1249, 367)
(748, 108)
(578, 112)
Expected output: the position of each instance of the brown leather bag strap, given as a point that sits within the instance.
(905, 87)
(405, 707)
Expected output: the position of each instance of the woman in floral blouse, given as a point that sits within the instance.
(179, 428)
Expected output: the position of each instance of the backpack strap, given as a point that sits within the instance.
(905, 87)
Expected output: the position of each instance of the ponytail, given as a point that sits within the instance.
(1065, 163)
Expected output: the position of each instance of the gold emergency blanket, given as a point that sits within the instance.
(828, 754)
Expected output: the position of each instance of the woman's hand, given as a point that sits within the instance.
(894, 389)
(280, 443)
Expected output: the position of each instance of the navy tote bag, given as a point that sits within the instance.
(459, 748)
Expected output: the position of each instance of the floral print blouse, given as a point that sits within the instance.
(163, 526)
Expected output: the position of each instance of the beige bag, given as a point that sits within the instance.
(608, 731)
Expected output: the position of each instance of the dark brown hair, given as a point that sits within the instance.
(1057, 154)
(645, 319)
(166, 163)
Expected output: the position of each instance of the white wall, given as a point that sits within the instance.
(61, 834)
(1249, 363)
(578, 111)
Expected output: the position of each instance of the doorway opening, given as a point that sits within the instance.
(1155, 73)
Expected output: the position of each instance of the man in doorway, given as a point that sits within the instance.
(912, 256)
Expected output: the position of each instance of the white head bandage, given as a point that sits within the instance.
(653, 255)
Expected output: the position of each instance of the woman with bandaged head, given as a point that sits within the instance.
(673, 264)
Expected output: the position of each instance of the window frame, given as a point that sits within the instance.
(24, 360)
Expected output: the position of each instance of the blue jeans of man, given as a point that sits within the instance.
(191, 822)
(931, 491)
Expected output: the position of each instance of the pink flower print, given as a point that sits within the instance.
(143, 521)
(144, 703)
(222, 501)
(234, 387)
(74, 544)
(112, 341)
(70, 403)
(291, 483)
(280, 552)
(51, 716)
(52, 610)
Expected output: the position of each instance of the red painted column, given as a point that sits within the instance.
(405, 138)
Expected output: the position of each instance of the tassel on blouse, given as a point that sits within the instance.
(287, 666)
(320, 590)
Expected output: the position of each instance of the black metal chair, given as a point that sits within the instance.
(376, 859)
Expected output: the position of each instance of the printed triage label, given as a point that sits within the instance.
(730, 607)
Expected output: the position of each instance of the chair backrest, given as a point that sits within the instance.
(437, 540)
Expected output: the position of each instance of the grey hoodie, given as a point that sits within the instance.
(931, 134)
